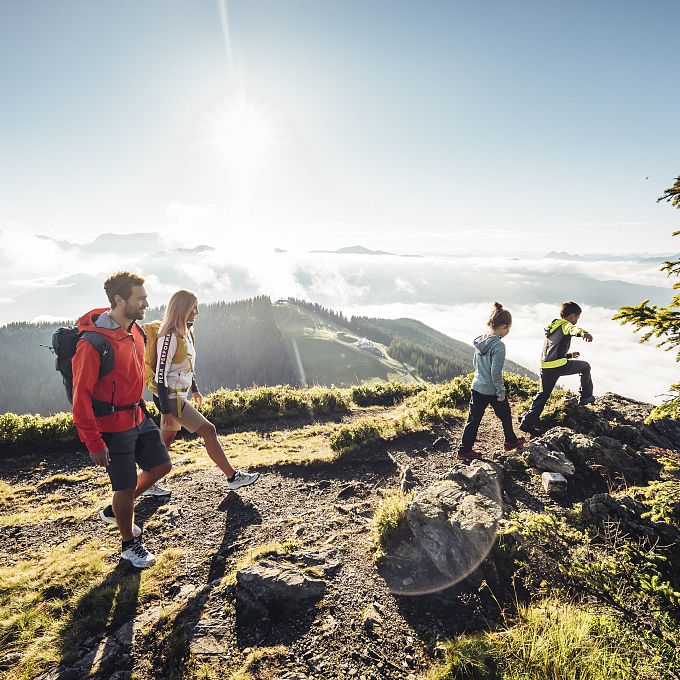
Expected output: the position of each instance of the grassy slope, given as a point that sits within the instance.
(420, 333)
(327, 352)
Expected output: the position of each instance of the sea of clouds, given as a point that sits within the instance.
(48, 279)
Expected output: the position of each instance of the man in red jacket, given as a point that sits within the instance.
(109, 412)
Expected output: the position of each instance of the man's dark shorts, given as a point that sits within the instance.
(141, 445)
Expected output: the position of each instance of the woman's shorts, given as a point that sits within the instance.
(191, 419)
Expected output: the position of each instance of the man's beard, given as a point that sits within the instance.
(134, 313)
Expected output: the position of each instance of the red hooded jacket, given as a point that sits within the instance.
(122, 386)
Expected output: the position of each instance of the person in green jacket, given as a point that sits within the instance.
(557, 361)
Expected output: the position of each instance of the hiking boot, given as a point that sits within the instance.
(157, 490)
(468, 455)
(586, 400)
(241, 478)
(137, 554)
(107, 515)
(530, 429)
(519, 442)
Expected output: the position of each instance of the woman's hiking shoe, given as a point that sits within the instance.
(107, 515)
(157, 490)
(468, 455)
(519, 442)
(137, 554)
(586, 401)
(241, 478)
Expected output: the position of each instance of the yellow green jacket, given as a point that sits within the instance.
(558, 335)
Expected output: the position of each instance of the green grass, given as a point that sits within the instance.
(390, 515)
(550, 641)
(49, 604)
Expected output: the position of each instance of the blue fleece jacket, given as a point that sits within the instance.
(489, 359)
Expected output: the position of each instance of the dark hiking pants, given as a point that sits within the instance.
(549, 378)
(478, 404)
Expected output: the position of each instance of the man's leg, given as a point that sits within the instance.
(151, 455)
(549, 378)
(123, 508)
(168, 437)
(478, 404)
(582, 368)
(586, 387)
(147, 478)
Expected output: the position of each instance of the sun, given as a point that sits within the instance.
(241, 135)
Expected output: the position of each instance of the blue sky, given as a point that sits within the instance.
(525, 126)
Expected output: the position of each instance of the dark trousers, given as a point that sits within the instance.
(549, 378)
(478, 404)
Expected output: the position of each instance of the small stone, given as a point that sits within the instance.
(553, 481)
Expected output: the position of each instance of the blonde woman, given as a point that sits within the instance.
(173, 377)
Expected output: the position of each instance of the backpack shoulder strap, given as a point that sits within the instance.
(104, 349)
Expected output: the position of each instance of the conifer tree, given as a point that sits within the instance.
(661, 322)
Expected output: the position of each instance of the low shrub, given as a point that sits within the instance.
(548, 640)
(35, 432)
(390, 515)
(358, 435)
(384, 393)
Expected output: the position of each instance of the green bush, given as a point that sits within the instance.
(634, 583)
(390, 515)
(229, 407)
(35, 432)
(384, 393)
(358, 435)
(548, 640)
(327, 400)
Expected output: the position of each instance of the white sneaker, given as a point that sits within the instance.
(242, 479)
(157, 490)
(107, 515)
(138, 555)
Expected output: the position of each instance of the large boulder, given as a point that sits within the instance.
(267, 588)
(550, 460)
(620, 460)
(618, 418)
(603, 510)
(450, 527)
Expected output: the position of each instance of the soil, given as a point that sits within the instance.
(322, 507)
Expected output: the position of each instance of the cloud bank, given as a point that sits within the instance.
(51, 279)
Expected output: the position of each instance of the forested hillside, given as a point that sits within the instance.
(252, 342)
(238, 344)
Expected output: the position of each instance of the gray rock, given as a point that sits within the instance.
(551, 460)
(408, 480)
(455, 520)
(206, 645)
(668, 428)
(267, 587)
(347, 491)
(602, 451)
(553, 481)
(372, 618)
(602, 509)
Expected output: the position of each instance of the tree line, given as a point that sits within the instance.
(238, 344)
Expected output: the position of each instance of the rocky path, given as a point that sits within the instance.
(192, 626)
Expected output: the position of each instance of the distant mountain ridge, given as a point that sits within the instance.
(603, 257)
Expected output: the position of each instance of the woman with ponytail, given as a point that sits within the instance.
(487, 385)
(173, 378)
